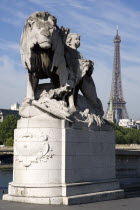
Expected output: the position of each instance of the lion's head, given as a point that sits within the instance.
(39, 35)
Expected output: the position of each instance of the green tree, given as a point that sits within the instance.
(120, 139)
(9, 142)
(7, 128)
(126, 135)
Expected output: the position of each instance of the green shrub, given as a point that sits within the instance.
(120, 137)
(9, 142)
(7, 128)
(126, 135)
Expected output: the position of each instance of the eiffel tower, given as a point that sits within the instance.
(116, 104)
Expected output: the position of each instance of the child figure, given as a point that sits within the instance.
(80, 73)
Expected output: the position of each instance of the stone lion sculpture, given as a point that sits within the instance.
(48, 51)
(42, 51)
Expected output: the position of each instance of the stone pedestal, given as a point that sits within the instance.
(56, 162)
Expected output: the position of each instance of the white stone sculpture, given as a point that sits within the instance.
(64, 153)
(48, 51)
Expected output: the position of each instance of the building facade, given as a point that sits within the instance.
(5, 112)
(15, 106)
(128, 123)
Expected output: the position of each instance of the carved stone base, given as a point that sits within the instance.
(68, 200)
(56, 162)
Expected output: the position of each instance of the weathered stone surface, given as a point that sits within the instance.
(48, 51)
(64, 152)
(63, 164)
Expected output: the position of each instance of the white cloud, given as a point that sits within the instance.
(119, 11)
(130, 57)
(69, 3)
(12, 82)
(13, 17)
(15, 21)
(7, 45)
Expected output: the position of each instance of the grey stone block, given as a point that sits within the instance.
(63, 165)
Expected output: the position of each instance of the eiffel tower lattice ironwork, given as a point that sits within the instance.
(119, 110)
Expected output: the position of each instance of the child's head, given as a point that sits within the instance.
(73, 40)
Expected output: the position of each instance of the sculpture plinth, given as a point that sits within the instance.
(56, 162)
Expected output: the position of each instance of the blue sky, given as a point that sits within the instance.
(95, 21)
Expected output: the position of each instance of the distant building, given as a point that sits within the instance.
(128, 123)
(110, 116)
(13, 111)
(138, 124)
(4, 112)
(15, 106)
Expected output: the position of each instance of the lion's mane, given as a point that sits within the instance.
(43, 62)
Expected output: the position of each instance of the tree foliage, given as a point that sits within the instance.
(126, 135)
(7, 129)
(9, 142)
